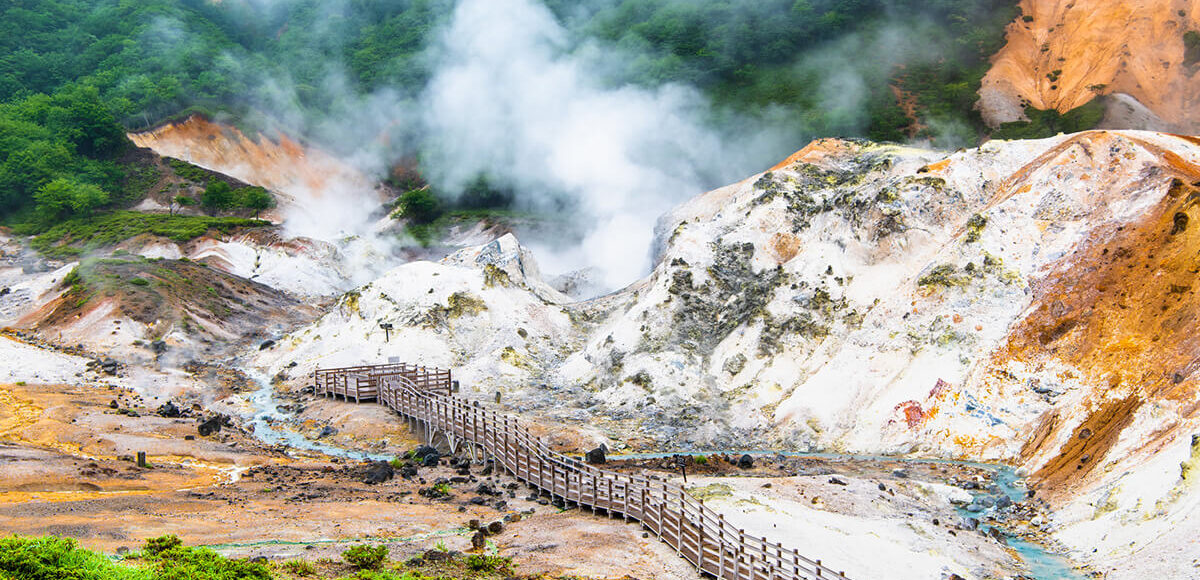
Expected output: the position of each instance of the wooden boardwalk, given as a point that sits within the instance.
(697, 533)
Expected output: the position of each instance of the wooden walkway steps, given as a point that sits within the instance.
(697, 533)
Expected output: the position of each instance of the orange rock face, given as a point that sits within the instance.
(280, 164)
(1122, 311)
(1073, 50)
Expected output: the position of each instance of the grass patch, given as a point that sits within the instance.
(52, 558)
(188, 171)
(77, 236)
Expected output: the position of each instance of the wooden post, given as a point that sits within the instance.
(737, 557)
(141, 459)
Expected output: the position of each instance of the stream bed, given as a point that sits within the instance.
(1042, 563)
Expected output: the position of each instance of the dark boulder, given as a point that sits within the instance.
(837, 480)
(495, 527)
(408, 471)
(420, 452)
(597, 456)
(266, 344)
(158, 346)
(745, 462)
(169, 410)
(211, 425)
(478, 540)
(426, 455)
(110, 366)
(379, 472)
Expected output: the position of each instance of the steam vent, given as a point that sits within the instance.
(599, 290)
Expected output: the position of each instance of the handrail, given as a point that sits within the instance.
(696, 532)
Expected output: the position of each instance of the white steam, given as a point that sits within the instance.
(509, 100)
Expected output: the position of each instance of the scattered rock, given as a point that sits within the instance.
(478, 540)
(169, 410)
(837, 481)
(378, 472)
(495, 527)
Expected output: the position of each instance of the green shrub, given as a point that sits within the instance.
(419, 206)
(488, 563)
(298, 568)
(366, 557)
(183, 563)
(52, 558)
(700, 459)
(255, 198)
(1191, 48)
(140, 282)
(218, 195)
(156, 546)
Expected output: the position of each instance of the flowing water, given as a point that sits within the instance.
(268, 423)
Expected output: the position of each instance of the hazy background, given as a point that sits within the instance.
(596, 116)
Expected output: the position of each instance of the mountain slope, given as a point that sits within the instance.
(1061, 54)
(1028, 302)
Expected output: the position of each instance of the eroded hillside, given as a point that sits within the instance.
(1061, 54)
(279, 164)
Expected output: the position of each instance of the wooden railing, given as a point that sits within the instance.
(697, 533)
(361, 383)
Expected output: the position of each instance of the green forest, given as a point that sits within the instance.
(76, 74)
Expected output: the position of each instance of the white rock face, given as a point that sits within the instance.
(858, 298)
(481, 311)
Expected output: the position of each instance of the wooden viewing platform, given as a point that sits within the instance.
(697, 533)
